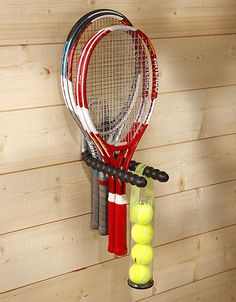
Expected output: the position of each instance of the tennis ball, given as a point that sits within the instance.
(142, 253)
(142, 233)
(141, 213)
(144, 213)
(140, 274)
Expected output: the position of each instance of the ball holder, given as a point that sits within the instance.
(142, 233)
(128, 177)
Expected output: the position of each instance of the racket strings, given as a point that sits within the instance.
(117, 86)
(92, 29)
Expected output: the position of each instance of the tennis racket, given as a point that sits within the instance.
(79, 35)
(117, 85)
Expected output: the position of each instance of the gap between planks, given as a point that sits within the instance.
(153, 38)
(160, 93)
(156, 197)
(141, 149)
(188, 283)
(107, 261)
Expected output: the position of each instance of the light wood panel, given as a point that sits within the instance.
(193, 164)
(49, 250)
(218, 288)
(186, 63)
(59, 192)
(49, 21)
(45, 188)
(45, 195)
(38, 137)
(194, 258)
(192, 63)
(29, 76)
(204, 256)
(53, 137)
(191, 115)
(193, 212)
(190, 165)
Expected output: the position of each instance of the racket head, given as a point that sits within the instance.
(117, 86)
(88, 25)
(78, 36)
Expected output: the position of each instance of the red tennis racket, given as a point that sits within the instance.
(117, 85)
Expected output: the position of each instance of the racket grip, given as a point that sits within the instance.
(95, 209)
(111, 222)
(103, 207)
(120, 226)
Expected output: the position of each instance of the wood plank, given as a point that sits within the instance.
(39, 137)
(34, 73)
(191, 115)
(218, 288)
(193, 212)
(42, 252)
(190, 166)
(172, 268)
(54, 138)
(49, 21)
(60, 192)
(198, 62)
(193, 164)
(194, 258)
(45, 195)
(185, 64)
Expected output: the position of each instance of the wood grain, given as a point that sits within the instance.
(190, 165)
(218, 288)
(45, 195)
(53, 137)
(47, 249)
(60, 192)
(185, 64)
(194, 258)
(33, 72)
(193, 164)
(39, 137)
(172, 267)
(191, 115)
(194, 212)
(198, 62)
(49, 21)
(38, 253)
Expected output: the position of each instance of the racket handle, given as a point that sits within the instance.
(111, 222)
(103, 207)
(95, 210)
(120, 226)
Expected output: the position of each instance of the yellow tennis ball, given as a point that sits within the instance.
(142, 253)
(142, 233)
(141, 213)
(140, 274)
(144, 213)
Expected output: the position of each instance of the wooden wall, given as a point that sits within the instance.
(47, 251)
